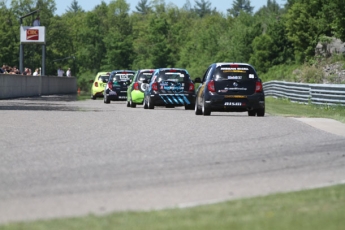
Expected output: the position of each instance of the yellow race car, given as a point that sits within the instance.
(99, 84)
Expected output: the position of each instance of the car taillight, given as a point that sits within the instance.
(136, 86)
(210, 86)
(155, 86)
(258, 87)
(191, 87)
(96, 84)
(110, 85)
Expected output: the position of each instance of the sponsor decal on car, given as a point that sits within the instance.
(234, 77)
(235, 96)
(232, 103)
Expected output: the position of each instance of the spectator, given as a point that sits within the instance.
(60, 72)
(36, 21)
(27, 71)
(69, 73)
(36, 72)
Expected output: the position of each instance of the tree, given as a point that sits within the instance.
(75, 7)
(118, 40)
(240, 5)
(143, 7)
(303, 28)
(202, 8)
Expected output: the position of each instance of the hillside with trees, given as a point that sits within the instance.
(278, 40)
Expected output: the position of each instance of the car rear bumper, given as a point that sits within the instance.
(137, 96)
(173, 99)
(98, 93)
(116, 95)
(235, 103)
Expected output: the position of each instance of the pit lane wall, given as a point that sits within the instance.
(16, 86)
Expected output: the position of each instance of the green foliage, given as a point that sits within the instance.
(159, 35)
(261, 58)
(240, 5)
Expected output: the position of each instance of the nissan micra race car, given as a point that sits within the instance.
(116, 88)
(98, 84)
(135, 91)
(170, 87)
(230, 87)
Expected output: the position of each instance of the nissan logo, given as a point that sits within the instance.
(235, 84)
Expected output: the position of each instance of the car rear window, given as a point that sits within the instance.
(176, 76)
(122, 77)
(103, 78)
(234, 72)
(145, 76)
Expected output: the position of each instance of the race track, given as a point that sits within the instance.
(60, 157)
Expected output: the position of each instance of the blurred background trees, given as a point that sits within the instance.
(159, 35)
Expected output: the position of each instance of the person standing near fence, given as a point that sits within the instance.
(60, 72)
(69, 73)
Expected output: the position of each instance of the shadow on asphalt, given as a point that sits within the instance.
(43, 103)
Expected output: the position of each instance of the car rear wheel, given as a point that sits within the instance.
(145, 104)
(205, 111)
(128, 104)
(133, 105)
(260, 112)
(93, 97)
(251, 113)
(150, 104)
(106, 99)
(197, 110)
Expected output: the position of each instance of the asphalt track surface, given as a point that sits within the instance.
(60, 157)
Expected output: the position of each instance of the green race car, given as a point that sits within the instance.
(135, 91)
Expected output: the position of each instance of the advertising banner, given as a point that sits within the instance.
(32, 35)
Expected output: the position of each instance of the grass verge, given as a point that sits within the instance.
(316, 209)
(284, 107)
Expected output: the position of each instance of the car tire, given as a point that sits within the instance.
(169, 106)
(132, 105)
(205, 110)
(106, 99)
(260, 112)
(93, 97)
(150, 105)
(197, 110)
(145, 104)
(251, 113)
(189, 107)
(128, 104)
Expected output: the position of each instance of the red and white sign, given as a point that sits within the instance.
(32, 34)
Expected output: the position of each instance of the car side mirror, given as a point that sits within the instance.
(197, 80)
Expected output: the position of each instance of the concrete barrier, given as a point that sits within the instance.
(16, 86)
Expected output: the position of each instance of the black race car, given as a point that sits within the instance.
(230, 87)
(170, 87)
(116, 88)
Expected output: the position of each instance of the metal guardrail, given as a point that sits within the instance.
(323, 94)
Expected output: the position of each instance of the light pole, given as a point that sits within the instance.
(21, 48)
